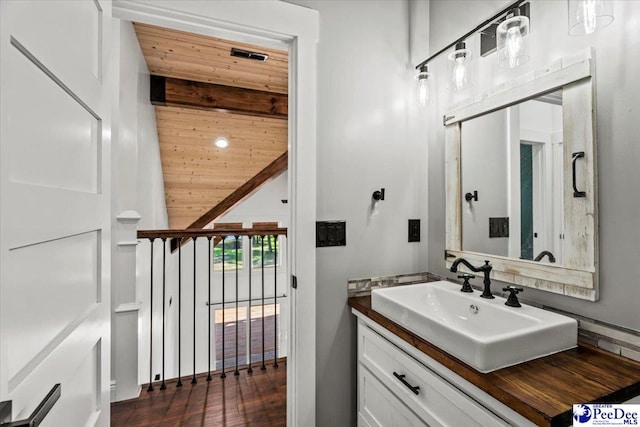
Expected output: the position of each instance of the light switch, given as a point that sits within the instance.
(331, 233)
(414, 230)
(499, 227)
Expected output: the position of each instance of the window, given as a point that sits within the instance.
(271, 246)
(230, 257)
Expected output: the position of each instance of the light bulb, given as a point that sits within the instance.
(459, 67)
(423, 92)
(459, 74)
(513, 46)
(589, 15)
(512, 50)
(423, 85)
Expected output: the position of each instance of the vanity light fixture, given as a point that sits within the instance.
(486, 29)
(459, 68)
(512, 49)
(589, 16)
(422, 79)
(221, 142)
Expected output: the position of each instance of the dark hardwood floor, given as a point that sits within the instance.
(256, 340)
(256, 399)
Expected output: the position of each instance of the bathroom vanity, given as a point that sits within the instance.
(516, 186)
(406, 380)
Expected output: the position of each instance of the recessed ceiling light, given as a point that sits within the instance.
(222, 142)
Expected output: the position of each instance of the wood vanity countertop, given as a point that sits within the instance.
(542, 390)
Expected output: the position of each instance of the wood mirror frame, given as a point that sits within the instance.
(578, 276)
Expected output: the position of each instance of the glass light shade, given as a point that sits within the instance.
(422, 79)
(589, 16)
(512, 49)
(459, 67)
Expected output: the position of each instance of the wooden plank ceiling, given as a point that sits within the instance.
(197, 174)
(187, 56)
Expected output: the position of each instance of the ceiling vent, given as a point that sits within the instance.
(256, 56)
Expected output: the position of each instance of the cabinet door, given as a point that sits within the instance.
(435, 401)
(378, 407)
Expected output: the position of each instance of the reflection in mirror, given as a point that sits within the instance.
(513, 159)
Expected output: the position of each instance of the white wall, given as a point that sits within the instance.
(265, 205)
(137, 188)
(418, 30)
(484, 167)
(539, 116)
(449, 20)
(367, 139)
(617, 129)
(150, 190)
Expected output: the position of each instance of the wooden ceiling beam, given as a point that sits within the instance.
(167, 91)
(273, 170)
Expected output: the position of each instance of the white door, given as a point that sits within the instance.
(54, 205)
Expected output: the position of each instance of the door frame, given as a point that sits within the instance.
(283, 25)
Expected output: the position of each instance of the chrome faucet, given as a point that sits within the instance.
(542, 255)
(485, 269)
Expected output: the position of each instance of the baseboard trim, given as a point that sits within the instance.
(113, 391)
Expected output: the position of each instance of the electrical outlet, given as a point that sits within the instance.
(157, 377)
(414, 230)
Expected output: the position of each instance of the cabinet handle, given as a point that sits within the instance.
(414, 389)
(574, 159)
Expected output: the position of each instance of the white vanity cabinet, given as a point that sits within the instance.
(396, 388)
(379, 407)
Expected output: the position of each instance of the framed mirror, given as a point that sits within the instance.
(521, 185)
(511, 179)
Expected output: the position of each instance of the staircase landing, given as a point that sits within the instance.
(259, 398)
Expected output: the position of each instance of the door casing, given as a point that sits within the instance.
(296, 28)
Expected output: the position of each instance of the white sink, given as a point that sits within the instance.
(484, 333)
